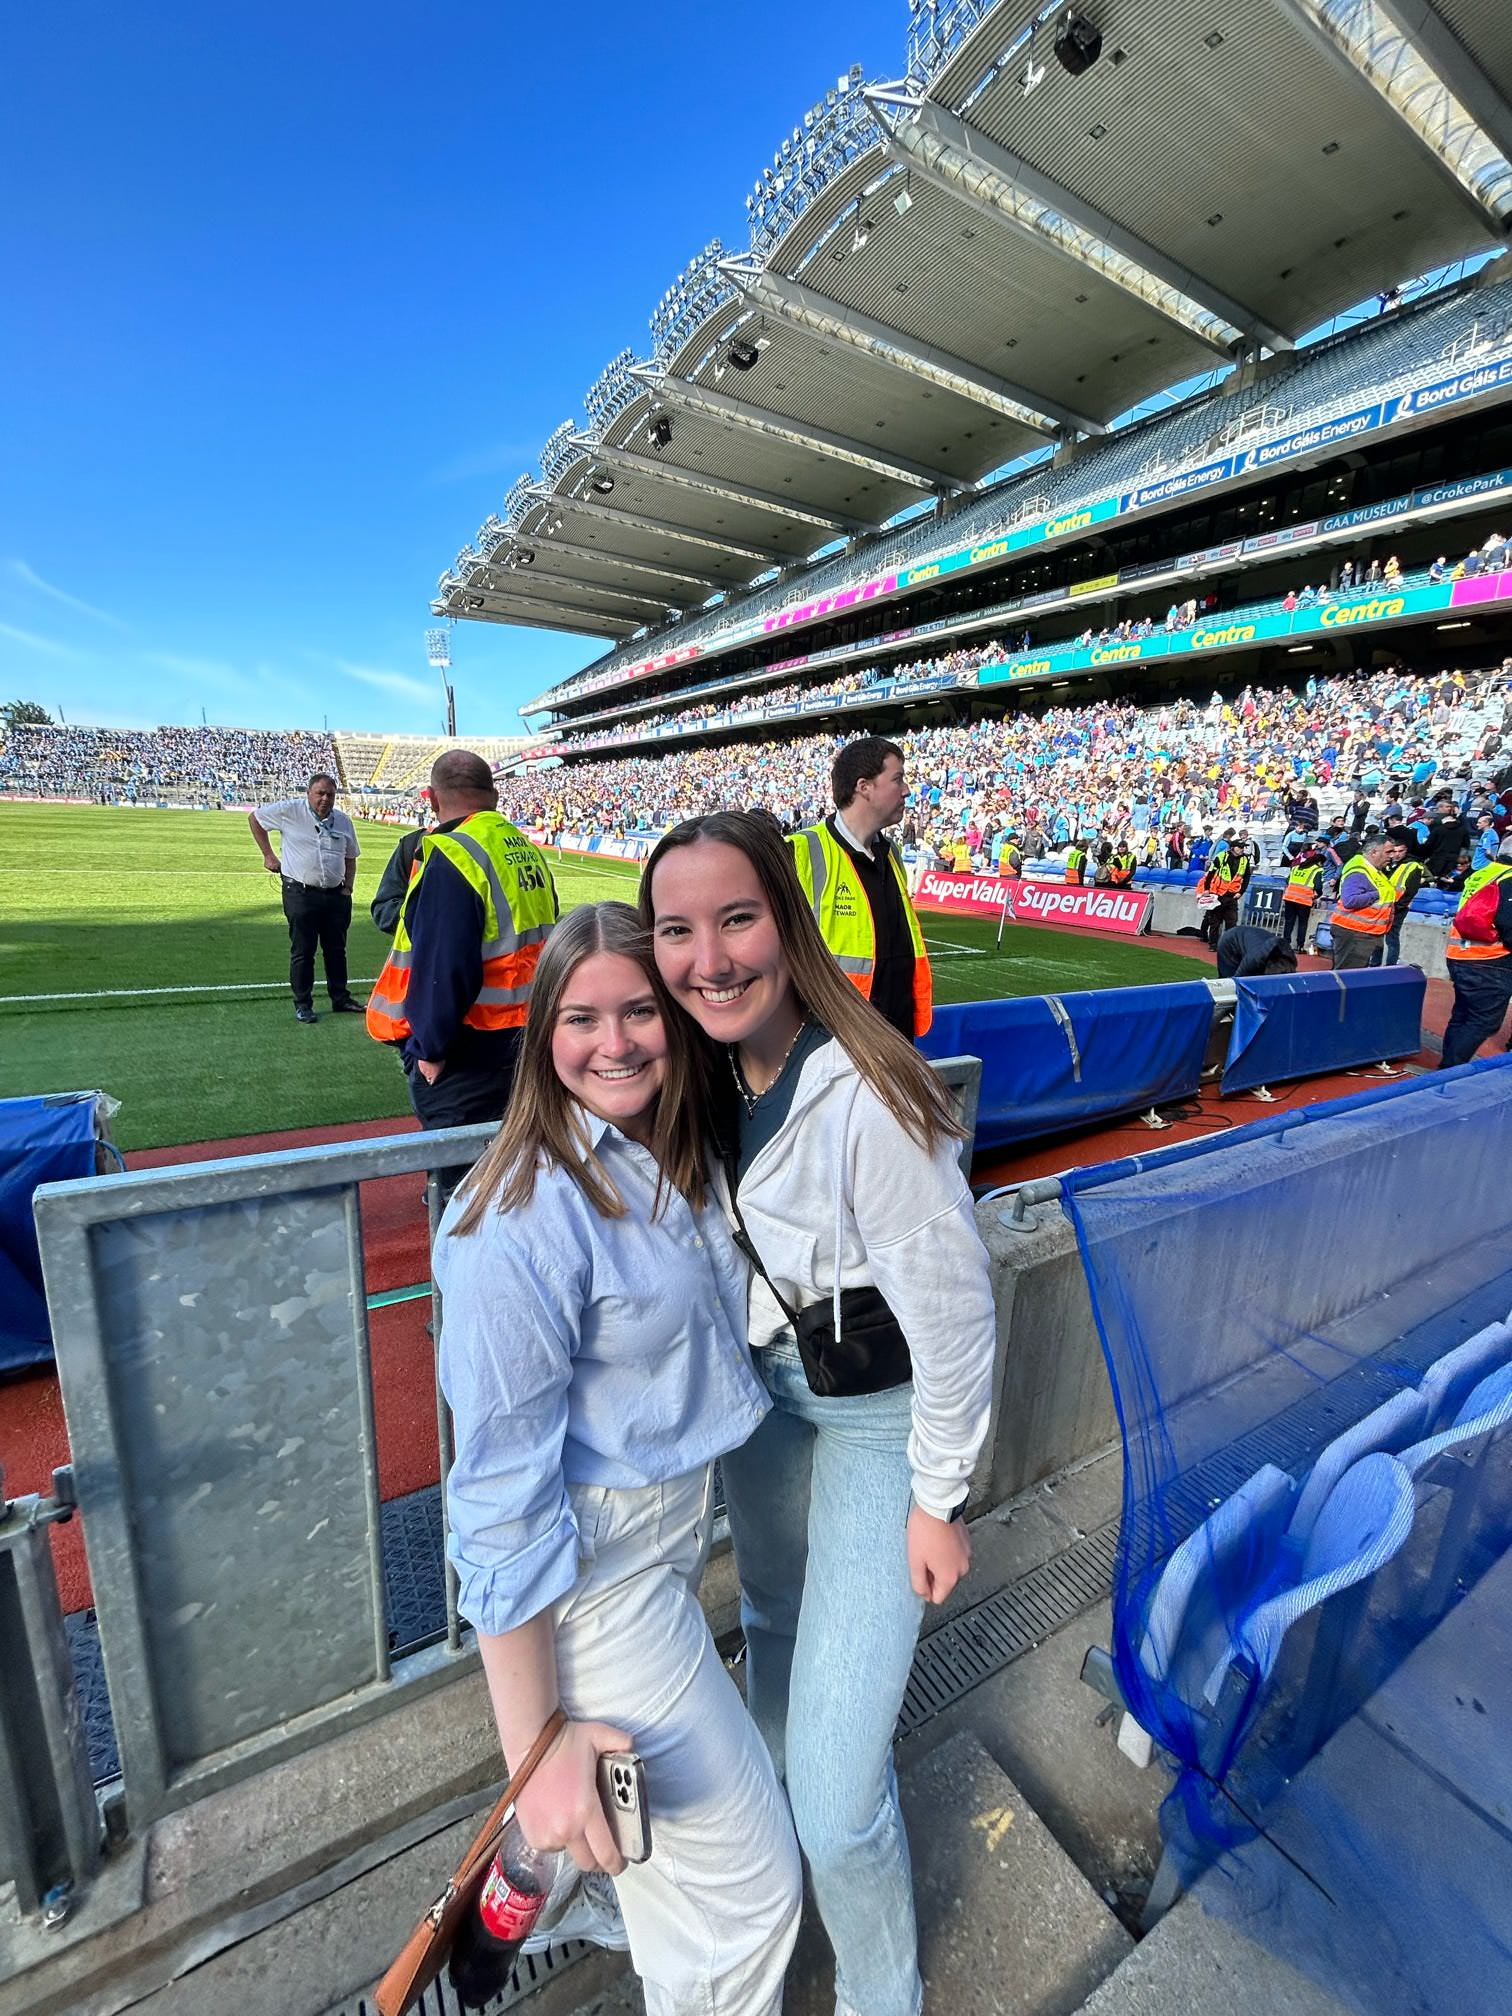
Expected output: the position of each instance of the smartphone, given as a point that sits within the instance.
(622, 1788)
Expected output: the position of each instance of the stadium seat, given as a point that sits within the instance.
(1360, 1527)
(1486, 1410)
(1448, 1379)
(1207, 1580)
(1389, 1427)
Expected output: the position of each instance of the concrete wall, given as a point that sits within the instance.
(1052, 1401)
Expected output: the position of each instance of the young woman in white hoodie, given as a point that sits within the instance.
(840, 1165)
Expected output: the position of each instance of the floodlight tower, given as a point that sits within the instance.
(438, 650)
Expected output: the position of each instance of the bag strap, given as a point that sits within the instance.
(841, 1200)
(486, 1840)
(424, 1952)
(747, 1244)
(743, 1239)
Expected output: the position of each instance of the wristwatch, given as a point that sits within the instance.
(957, 1513)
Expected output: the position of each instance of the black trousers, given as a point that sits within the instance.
(1223, 916)
(1295, 917)
(475, 1085)
(316, 917)
(1482, 991)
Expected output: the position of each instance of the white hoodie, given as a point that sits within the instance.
(906, 1228)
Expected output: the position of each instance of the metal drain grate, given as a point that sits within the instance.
(993, 1633)
(533, 1971)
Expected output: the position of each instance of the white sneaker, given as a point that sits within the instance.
(580, 1907)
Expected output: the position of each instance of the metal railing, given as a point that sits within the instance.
(51, 1830)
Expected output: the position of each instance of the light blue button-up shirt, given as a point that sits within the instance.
(577, 1349)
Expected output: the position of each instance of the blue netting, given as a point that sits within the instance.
(42, 1140)
(1306, 1327)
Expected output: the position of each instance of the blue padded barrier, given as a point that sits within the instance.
(42, 1140)
(1298, 1025)
(1066, 1060)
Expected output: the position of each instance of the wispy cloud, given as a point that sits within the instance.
(32, 642)
(399, 684)
(216, 672)
(18, 570)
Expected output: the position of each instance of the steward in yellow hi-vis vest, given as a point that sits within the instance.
(510, 876)
(455, 990)
(1367, 903)
(842, 906)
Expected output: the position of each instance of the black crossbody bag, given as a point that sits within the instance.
(850, 1344)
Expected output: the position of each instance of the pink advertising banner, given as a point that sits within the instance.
(1122, 911)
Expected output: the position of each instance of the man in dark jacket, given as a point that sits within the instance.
(1448, 835)
(1248, 950)
(389, 901)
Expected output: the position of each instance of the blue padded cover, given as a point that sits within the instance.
(42, 1140)
(1296, 1025)
(1058, 1061)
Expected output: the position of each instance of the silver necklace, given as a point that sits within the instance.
(750, 1100)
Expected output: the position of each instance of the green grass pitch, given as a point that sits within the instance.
(146, 953)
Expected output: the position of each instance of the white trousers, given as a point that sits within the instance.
(712, 1915)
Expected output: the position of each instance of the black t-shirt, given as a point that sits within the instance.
(893, 963)
(754, 1130)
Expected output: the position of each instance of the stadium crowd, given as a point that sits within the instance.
(1153, 776)
(207, 766)
(1352, 575)
(958, 665)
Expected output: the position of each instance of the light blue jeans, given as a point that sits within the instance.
(819, 1500)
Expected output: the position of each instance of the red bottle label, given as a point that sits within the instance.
(508, 1912)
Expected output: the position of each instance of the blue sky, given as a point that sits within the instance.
(297, 291)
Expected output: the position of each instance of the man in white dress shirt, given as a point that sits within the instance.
(318, 868)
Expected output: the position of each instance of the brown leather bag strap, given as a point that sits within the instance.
(487, 1837)
(424, 1953)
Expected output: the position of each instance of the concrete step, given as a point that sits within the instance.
(1194, 1965)
(1008, 1926)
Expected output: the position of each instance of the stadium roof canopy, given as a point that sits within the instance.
(998, 252)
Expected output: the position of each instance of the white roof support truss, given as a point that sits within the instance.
(658, 470)
(805, 308)
(491, 605)
(967, 164)
(712, 541)
(657, 570)
(1367, 39)
(499, 580)
(1437, 42)
(696, 398)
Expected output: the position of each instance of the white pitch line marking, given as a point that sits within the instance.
(948, 949)
(135, 993)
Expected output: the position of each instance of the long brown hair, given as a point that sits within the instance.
(543, 1126)
(887, 1061)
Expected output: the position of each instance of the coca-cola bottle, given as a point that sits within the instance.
(489, 1940)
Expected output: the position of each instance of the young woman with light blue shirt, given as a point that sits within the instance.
(595, 1359)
